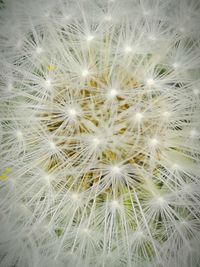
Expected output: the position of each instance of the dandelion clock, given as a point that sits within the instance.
(100, 133)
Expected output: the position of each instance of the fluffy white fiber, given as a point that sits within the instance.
(100, 133)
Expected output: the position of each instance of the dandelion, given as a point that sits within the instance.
(100, 133)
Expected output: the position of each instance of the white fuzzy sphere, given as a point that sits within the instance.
(100, 133)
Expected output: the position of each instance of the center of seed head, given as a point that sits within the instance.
(112, 93)
(96, 141)
(115, 169)
(85, 73)
(72, 112)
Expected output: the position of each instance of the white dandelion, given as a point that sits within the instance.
(100, 133)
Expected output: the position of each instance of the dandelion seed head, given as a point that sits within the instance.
(100, 133)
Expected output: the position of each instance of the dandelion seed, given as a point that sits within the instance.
(127, 49)
(85, 73)
(86, 231)
(115, 170)
(193, 133)
(47, 83)
(19, 44)
(72, 112)
(47, 178)
(39, 50)
(152, 38)
(160, 201)
(19, 134)
(10, 87)
(89, 38)
(67, 17)
(166, 114)
(114, 205)
(75, 197)
(154, 142)
(108, 18)
(175, 65)
(150, 82)
(52, 145)
(138, 117)
(196, 92)
(112, 93)
(182, 29)
(146, 12)
(175, 166)
(96, 141)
